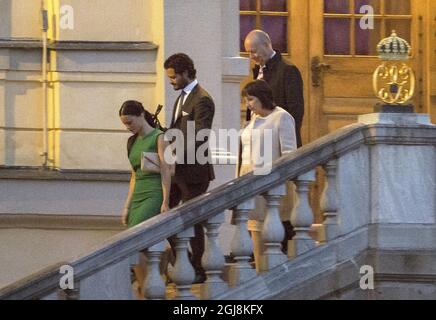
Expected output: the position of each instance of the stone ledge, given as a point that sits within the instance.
(79, 45)
(206, 206)
(405, 278)
(59, 222)
(20, 43)
(398, 118)
(318, 274)
(38, 173)
(339, 280)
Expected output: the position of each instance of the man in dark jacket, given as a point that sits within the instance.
(284, 79)
(287, 86)
(194, 107)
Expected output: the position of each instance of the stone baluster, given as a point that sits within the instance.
(241, 246)
(154, 284)
(329, 202)
(183, 273)
(273, 231)
(213, 260)
(302, 216)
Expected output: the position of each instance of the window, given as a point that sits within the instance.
(343, 34)
(270, 16)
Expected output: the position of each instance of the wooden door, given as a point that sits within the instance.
(431, 58)
(342, 57)
(325, 40)
(338, 57)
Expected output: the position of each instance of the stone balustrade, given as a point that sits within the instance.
(110, 261)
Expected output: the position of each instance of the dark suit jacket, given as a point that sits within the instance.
(200, 108)
(287, 86)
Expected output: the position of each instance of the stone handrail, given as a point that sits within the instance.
(230, 195)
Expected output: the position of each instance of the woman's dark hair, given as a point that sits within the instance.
(135, 108)
(181, 62)
(261, 90)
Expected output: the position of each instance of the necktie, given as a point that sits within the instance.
(180, 105)
(260, 75)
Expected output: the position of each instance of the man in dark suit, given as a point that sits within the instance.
(284, 79)
(287, 86)
(194, 107)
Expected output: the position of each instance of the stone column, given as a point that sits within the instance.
(273, 231)
(329, 202)
(154, 285)
(213, 260)
(183, 273)
(242, 246)
(302, 216)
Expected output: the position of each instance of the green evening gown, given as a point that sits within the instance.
(147, 195)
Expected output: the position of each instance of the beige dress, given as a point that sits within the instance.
(264, 140)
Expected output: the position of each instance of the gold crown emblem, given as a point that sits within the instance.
(393, 48)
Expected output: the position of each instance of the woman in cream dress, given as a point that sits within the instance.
(269, 135)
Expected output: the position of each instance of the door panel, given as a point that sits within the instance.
(339, 84)
(347, 59)
(349, 52)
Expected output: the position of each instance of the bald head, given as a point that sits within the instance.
(260, 37)
(258, 45)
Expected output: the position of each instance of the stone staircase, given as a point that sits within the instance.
(374, 211)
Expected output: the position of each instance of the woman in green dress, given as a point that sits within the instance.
(148, 192)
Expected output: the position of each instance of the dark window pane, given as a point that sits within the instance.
(397, 6)
(336, 6)
(337, 36)
(273, 5)
(247, 23)
(375, 4)
(367, 39)
(276, 27)
(402, 28)
(247, 5)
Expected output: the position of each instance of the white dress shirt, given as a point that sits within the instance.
(262, 68)
(187, 91)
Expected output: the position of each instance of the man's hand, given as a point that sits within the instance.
(165, 207)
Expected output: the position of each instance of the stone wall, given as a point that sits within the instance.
(114, 53)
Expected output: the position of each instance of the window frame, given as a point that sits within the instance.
(258, 14)
(353, 17)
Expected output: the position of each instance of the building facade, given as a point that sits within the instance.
(62, 113)
(99, 54)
